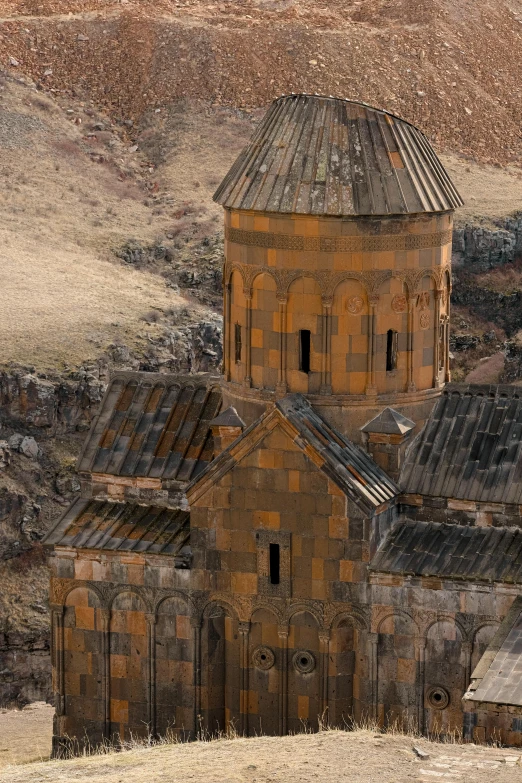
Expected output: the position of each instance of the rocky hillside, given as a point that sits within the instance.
(451, 67)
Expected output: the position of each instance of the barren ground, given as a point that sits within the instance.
(355, 757)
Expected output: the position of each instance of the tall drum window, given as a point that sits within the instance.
(304, 350)
(237, 343)
(274, 563)
(392, 341)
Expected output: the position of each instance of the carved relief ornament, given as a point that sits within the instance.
(328, 280)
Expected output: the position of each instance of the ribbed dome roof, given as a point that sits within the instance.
(313, 155)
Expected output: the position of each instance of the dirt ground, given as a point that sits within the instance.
(25, 735)
(332, 756)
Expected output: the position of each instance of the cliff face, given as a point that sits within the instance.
(479, 248)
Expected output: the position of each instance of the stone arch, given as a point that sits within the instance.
(442, 618)
(347, 663)
(124, 589)
(303, 607)
(265, 333)
(304, 671)
(220, 667)
(445, 668)
(397, 670)
(482, 638)
(83, 663)
(349, 336)
(304, 313)
(174, 667)
(129, 664)
(265, 662)
(83, 585)
(276, 610)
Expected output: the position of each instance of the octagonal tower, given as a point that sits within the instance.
(338, 231)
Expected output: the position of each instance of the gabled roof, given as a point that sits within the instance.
(351, 468)
(470, 448)
(153, 425)
(128, 527)
(318, 155)
(389, 422)
(497, 677)
(485, 554)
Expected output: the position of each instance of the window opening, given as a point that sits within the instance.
(304, 350)
(442, 345)
(237, 343)
(274, 557)
(391, 350)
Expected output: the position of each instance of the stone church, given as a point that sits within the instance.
(330, 532)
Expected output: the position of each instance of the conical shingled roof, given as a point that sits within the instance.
(314, 155)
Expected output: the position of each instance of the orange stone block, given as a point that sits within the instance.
(303, 706)
(317, 568)
(183, 627)
(338, 527)
(346, 571)
(119, 711)
(136, 623)
(83, 569)
(267, 520)
(118, 666)
(85, 618)
(244, 583)
(294, 480)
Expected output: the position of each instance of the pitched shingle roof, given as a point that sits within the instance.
(347, 464)
(316, 155)
(153, 425)
(129, 527)
(470, 447)
(497, 678)
(485, 554)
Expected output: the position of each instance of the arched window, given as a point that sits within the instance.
(391, 350)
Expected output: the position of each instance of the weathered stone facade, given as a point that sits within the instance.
(269, 576)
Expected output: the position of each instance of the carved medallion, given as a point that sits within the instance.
(263, 658)
(399, 303)
(424, 320)
(355, 304)
(437, 697)
(303, 661)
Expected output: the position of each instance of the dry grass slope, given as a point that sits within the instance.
(344, 757)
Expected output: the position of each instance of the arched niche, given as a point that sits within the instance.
(481, 642)
(397, 672)
(349, 338)
(236, 333)
(444, 678)
(265, 353)
(129, 667)
(264, 662)
(83, 665)
(174, 669)
(304, 314)
(220, 670)
(304, 670)
(424, 330)
(344, 674)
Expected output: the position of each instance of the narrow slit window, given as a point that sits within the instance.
(391, 350)
(274, 557)
(237, 343)
(304, 350)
